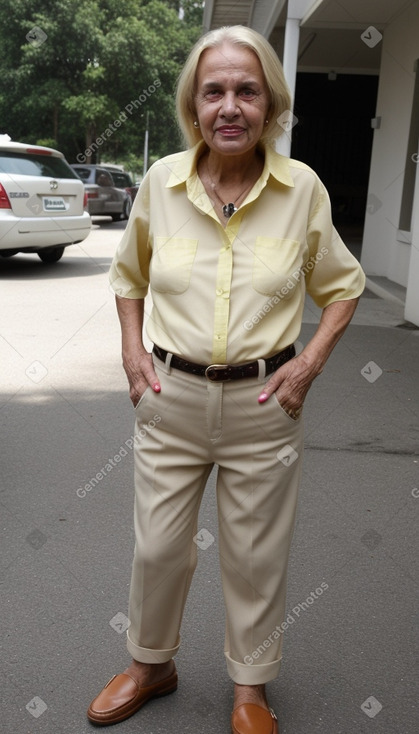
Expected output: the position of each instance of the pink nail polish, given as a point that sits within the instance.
(262, 397)
(156, 387)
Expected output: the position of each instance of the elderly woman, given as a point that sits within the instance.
(228, 236)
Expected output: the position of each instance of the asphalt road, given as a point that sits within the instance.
(350, 653)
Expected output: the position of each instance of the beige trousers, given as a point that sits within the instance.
(180, 434)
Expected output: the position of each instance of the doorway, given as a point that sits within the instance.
(334, 137)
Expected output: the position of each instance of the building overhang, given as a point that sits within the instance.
(261, 15)
(331, 34)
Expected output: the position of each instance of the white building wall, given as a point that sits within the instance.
(412, 295)
(383, 252)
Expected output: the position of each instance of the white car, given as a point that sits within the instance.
(42, 202)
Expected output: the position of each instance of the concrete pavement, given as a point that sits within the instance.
(350, 653)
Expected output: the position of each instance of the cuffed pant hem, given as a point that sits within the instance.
(145, 655)
(252, 675)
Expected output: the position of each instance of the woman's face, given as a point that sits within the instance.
(232, 99)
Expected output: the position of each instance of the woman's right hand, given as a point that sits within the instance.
(137, 362)
(138, 365)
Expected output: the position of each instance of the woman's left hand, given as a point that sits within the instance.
(290, 383)
(293, 380)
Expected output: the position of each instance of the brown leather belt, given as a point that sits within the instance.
(225, 372)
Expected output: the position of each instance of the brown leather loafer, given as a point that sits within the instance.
(122, 697)
(249, 718)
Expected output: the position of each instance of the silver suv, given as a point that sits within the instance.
(105, 196)
(42, 202)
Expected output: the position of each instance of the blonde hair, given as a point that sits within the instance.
(280, 97)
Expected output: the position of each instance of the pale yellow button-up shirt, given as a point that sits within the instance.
(233, 294)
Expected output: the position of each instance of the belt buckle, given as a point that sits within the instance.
(216, 368)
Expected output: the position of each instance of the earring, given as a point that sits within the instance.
(266, 122)
(196, 123)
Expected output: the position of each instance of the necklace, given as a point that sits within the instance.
(228, 209)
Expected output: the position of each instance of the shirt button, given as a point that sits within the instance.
(226, 294)
(219, 291)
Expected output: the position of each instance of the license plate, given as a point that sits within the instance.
(54, 204)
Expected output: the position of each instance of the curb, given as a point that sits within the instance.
(381, 292)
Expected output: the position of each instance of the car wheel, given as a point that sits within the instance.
(127, 208)
(51, 256)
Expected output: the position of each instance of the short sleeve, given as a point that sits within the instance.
(331, 272)
(129, 272)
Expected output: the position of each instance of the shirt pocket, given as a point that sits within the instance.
(171, 264)
(276, 265)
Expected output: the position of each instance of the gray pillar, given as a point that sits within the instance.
(290, 62)
(411, 312)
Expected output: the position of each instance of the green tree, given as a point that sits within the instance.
(76, 72)
(53, 44)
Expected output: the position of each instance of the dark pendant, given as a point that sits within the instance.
(228, 210)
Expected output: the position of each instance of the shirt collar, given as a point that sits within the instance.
(185, 166)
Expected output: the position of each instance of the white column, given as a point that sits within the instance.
(292, 38)
(411, 312)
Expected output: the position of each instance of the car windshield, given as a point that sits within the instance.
(34, 164)
(83, 173)
(121, 179)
